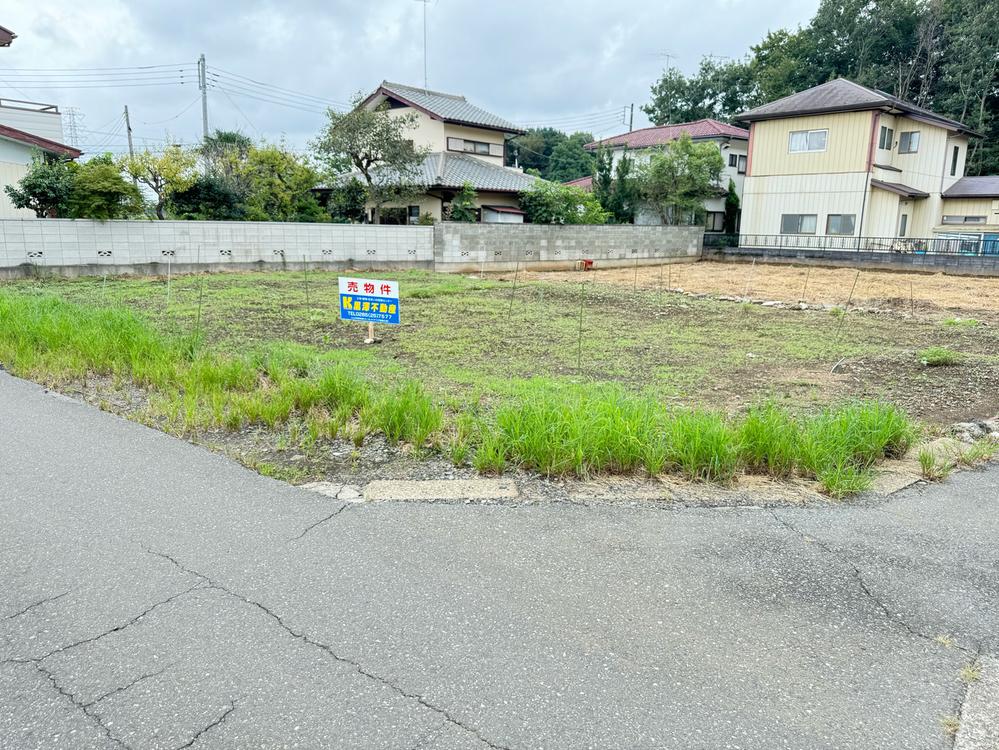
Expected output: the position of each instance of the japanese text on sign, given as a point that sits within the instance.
(369, 300)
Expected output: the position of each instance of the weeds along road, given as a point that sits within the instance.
(156, 595)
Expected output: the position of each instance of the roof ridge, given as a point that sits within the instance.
(459, 97)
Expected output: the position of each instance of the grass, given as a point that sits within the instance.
(439, 392)
(932, 468)
(961, 322)
(938, 356)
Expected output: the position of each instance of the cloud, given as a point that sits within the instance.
(555, 61)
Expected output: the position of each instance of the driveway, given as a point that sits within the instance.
(155, 595)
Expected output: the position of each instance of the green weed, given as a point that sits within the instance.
(938, 356)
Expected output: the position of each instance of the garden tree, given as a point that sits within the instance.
(678, 178)
(223, 152)
(603, 176)
(346, 201)
(45, 188)
(462, 206)
(533, 149)
(616, 188)
(101, 192)
(279, 186)
(554, 203)
(731, 209)
(569, 160)
(163, 172)
(209, 197)
(379, 146)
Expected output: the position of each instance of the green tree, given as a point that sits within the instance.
(616, 187)
(101, 192)
(223, 152)
(677, 179)
(279, 186)
(731, 209)
(533, 149)
(555, 203)
(209, 197)
(463, 205)
(569, 160)
(379, 146)
(45, 188)
(163, 172)
(346, 201)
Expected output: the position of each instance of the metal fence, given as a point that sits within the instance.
(960, 245)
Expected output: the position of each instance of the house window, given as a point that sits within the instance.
(414, 214)
(714, 221)
(908, 142)
(733, 160)
(742, 165)
(472, 147)
(803, 141)
(887, 138)
(953, 160)
(903, 224)
(963, 219)
(840, 223)
(798, 223)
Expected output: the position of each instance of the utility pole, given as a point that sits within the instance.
(631, 118)
(203, 85)
(131, 149)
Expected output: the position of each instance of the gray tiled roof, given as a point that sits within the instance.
(841, 95)
(450, 107)
(445, 170)
(974, 187)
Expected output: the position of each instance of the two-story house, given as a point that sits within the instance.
(466, 144)
(639, 145)
(842, 159)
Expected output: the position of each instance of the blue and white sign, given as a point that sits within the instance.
(369, 300)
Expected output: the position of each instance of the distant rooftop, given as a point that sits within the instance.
(43, 144)
(446, 107)
(974, 187)
(842, 95)
(6, 36)
(662, 134)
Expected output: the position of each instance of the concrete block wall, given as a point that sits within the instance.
(470, 247)
(82, 247)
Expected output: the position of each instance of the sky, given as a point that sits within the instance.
(274, 67)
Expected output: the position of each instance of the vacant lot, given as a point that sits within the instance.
(259, 365)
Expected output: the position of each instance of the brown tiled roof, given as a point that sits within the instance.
(662, 134)
(842, 95)
(30, 139)
(586, 183)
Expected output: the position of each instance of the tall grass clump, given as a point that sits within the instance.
(406, 414)
(769, 441)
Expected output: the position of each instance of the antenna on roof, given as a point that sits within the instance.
(426, 80)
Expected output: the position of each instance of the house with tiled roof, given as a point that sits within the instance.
(466, 144)
(639, 145)
(845, 160)
(27, 129)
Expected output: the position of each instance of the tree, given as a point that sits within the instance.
(45, 188)
(533, 149)
(209, 197)
(615, 187)
(279, 186)
(346, 202)
(223, 152)
(677, 180)
(379, 146)
(164, 172)
(463, 205)
(731, 209)
(555, 203)
(569, 160)
(101, 192)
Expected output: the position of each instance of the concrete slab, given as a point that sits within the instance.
(453, 490)
(980, 715)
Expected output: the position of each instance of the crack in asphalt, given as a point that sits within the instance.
(321, 521)
(356, 666)
(84, 707)
(32, 606)
(863, 585)
(212, 725)
(975, 662)
(123, 688)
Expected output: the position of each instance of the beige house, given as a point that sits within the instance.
(844, 160)
(26, 129)
(466, 143)
(639, 145)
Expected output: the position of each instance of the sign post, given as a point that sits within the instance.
(369, 301)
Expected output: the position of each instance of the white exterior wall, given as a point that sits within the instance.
(14, 160)
(46, 124)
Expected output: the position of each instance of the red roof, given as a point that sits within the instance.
(586, 183)
(37, 141)
(657, 136)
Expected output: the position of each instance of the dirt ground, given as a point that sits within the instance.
(959, 296)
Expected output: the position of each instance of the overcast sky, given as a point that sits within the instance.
(573, 64)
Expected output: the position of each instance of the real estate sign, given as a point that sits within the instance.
(369, 300)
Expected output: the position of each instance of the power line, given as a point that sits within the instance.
(284, 98)
(132, 67)
(268, 101)
(171, 119)
(251, 83)
(248, 120)
(616, 112)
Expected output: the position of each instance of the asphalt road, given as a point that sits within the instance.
(155, 595)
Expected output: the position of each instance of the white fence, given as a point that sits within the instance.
(82, 247)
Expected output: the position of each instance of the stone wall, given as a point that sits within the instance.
(70, 247)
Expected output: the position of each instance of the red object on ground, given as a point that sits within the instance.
(587, 265)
